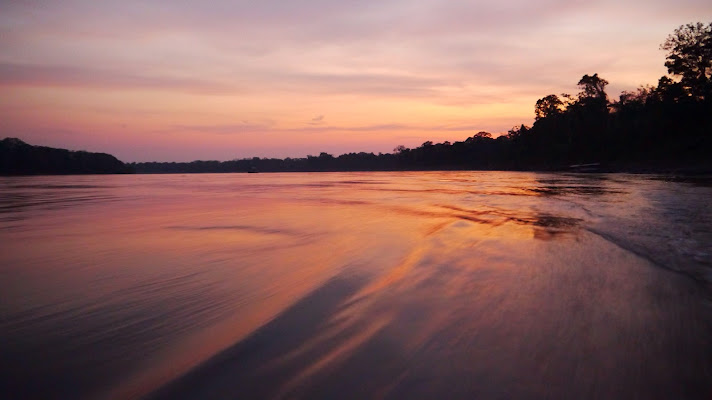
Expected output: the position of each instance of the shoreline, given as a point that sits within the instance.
(681, 171)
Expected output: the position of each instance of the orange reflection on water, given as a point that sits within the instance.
(361, 285)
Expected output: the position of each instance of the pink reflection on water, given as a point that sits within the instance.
(366, 284)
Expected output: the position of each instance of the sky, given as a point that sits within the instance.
(217, 80)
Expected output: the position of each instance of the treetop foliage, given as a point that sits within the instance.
(689, 56)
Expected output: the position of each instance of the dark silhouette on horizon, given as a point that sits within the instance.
(20, 158)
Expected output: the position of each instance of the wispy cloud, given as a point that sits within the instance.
(247, 128)
(366, 84)
(318, 120)
(12, 74)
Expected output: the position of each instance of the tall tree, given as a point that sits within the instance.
(689, 56)
(548, 106)
(593, 87)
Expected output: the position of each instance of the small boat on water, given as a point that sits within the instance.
(591, 167)
(252, 170)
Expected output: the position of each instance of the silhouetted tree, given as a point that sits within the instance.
(483, 135)
(690, 57)
(670, 91)
(637, 98)
(517, 131)
(592, 87)
(548, 106)
(399, 149)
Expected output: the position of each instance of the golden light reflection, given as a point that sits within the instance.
(283, 284)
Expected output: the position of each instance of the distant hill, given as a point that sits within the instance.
(20, 158)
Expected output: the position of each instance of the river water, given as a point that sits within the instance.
(487, 285)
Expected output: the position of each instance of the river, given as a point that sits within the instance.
(490, 285)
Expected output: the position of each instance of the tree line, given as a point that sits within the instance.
(20, 158)
(653, 127)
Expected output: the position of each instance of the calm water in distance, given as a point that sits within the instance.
(484, 285)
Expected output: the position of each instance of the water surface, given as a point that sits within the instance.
(355, 285)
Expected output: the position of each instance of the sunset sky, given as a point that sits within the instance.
(186, 80)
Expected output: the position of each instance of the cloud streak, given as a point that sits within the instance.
(378, 84)
(71, 76)
(254, 129)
